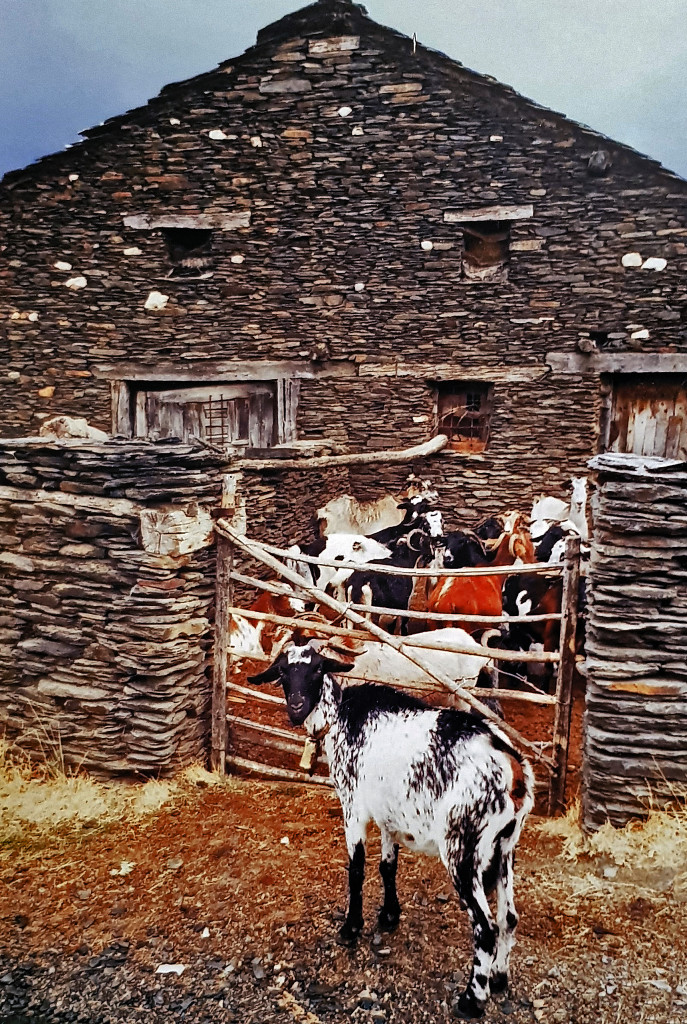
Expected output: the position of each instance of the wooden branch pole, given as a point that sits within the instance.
(419, 451)
(392, 570)
(223, 601)
(321, 597)
(433, 644)
(566, 670)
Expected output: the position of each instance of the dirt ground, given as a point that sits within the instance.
(242, 884)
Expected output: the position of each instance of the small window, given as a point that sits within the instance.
(464, 414)
(189, 251)
(485, 250)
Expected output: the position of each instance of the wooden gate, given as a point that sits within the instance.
(552, 756)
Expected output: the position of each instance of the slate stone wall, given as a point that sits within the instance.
(341, 150)
(636, 717)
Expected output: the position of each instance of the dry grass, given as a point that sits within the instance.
(652, 850)
(42, 799)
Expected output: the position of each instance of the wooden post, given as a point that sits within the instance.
(223, 601)
(566, 670)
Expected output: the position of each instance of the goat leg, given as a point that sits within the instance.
(390, 912)
(353, 925)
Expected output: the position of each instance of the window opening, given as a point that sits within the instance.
(464, 414)
(485, 250)
(189, 250)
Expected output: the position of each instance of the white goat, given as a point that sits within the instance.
(440, 781)
(380, 663)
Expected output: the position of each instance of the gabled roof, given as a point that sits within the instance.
(340, 17)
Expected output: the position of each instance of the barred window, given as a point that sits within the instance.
(464, 414)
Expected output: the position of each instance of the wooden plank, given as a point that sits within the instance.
(121, 408)
(247, 691)
(204, 392)
(566, 670)
(141, 417)
(223, 600)
(673, 435)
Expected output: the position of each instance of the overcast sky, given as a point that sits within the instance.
(619, 66)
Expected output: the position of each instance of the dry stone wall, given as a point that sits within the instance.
(327, 157)
(636, 717)
(105, 647)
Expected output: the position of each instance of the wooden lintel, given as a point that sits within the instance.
(477, 213)
(457, 371)
(198, 221)
(617, 362)
(225, 370)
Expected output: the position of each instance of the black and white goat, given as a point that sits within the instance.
(440, 781)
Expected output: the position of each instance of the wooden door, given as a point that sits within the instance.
(222, 414)
(649, 416)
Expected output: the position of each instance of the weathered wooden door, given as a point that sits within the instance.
(223, 414)
(649, 416)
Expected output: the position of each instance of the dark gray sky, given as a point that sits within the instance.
(619, 66)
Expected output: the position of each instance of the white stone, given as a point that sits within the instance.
(174, 120)
(344, 111)
(76, 282)
(655, 263)
(640, 335)
(631, 259)
(496, 138)
(62, 265)
(132, 251)
(256, 142)
(358, 130)
(73, 177)
(71, 426)
(426, 245)
(32, 317)
(217, 134)
(176, 531)
(156, 300)
(13, 375)
(359, 286)
(237, 258)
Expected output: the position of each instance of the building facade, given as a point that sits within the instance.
(341, 235)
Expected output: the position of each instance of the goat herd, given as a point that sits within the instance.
(442, 781)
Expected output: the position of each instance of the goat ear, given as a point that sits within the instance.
(331, 665)
(270, 675)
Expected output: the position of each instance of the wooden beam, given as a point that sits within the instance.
(566, 670)
(223, 370)
(456, 371)
(617, 362)
(481, 213)
(430, 447)
(197, 221)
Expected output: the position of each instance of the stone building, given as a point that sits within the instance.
(343, 236)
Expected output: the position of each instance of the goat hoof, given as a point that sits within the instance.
(498, 983)
(387, 920)
(467, 1007)
(349, 934)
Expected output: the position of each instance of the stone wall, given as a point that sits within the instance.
(636, 718)
(105, 645)
(327, 155)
